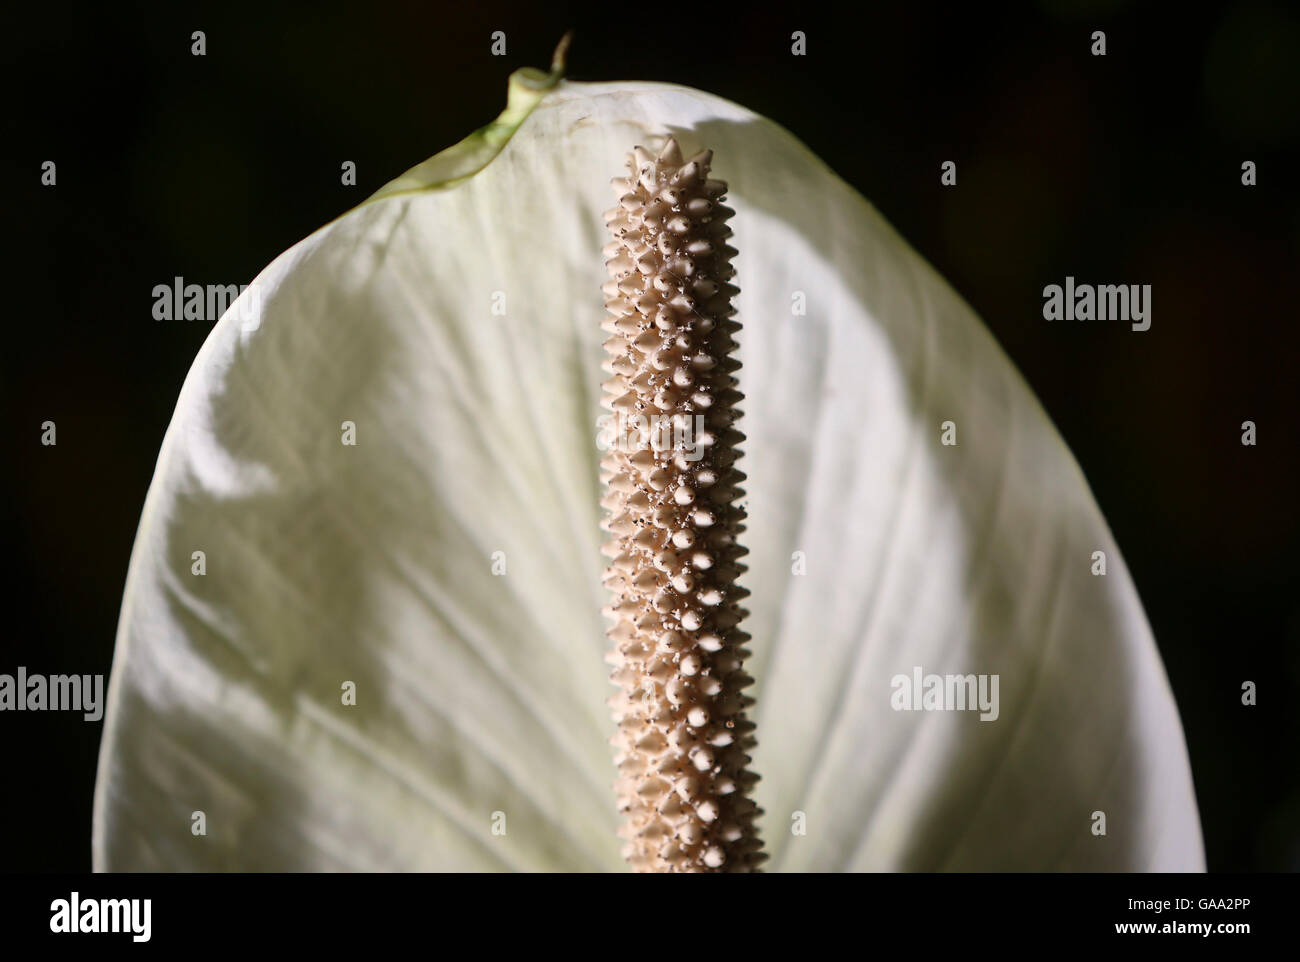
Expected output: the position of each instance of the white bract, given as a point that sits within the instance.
(437, 559)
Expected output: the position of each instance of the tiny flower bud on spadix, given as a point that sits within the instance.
(683, 738)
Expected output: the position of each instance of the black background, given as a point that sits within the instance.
(1124, 168)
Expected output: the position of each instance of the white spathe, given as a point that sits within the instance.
(479, 694)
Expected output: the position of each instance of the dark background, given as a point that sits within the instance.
(1123, 168)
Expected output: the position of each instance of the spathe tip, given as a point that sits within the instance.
(561, 54)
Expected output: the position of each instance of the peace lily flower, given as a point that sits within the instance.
(362, 624)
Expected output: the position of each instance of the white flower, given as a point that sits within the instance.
(443, 572)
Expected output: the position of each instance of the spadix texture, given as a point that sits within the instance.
(480, 695)
(683, 736)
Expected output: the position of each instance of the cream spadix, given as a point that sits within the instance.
(672, 489)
